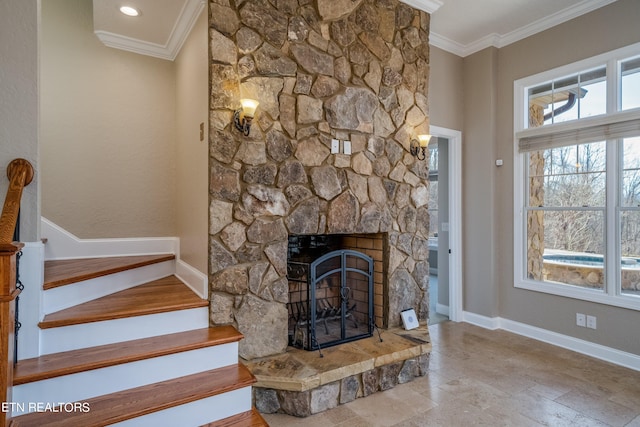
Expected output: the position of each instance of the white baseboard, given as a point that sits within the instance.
(608, 354)
(63, 245)
(195, 279)
(492, 323)
(442, 309)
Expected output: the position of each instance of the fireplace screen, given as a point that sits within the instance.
(330, 299)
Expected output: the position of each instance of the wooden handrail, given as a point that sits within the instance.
(20, 174)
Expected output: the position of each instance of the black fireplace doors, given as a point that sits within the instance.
(330, 299)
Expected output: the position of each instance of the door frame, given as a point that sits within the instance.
(455, 218)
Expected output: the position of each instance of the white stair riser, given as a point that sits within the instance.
(196, 413)
(84, 385)
(54, 340)
(62, 297)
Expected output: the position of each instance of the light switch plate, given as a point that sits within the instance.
(335, 146)
(346, 145)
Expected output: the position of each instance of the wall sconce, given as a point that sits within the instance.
(242, 117)
(418, 147)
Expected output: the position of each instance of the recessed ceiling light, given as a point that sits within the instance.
(129, 11)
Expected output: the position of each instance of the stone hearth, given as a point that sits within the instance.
(351, 70)
(302, 383)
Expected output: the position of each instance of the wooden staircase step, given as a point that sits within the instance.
(250, 418)
(64, 272)
(159, 296)
(74, 361)
(132, 403)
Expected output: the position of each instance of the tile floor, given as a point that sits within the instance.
(495, 378)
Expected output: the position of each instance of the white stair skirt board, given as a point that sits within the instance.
(32, 277)
(195, 279)
(63, 245)
(54, 340)
(196, 413)
(62, 297)
(85, 385)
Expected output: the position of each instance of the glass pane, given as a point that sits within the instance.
(565, 101)
(572, 176)
(594, 100)
(630, 251)
(566, 247)
(631, 172)
(568, 98)
(630, 78)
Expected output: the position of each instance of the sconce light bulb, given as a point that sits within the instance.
(249, 106)
(424, 140)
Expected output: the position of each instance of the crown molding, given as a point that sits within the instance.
(444, 43)
(184, 24)
(428, 6)
(499, 40)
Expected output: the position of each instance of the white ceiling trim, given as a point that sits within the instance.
(428, 6)
(498, 40)
(184, 24)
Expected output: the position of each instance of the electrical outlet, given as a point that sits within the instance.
(335, 146)
(591, 322)
(581, 320)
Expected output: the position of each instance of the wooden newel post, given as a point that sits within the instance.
(20, 173)
(8, 294)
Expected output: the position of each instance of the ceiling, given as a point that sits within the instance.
(464, 27)
(160, 30)
(461, 27)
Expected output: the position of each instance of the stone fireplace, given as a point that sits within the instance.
(322, 70)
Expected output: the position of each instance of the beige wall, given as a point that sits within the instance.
(446, 94)
(479, 133)
(107, 131)
(19, 103)
(603, 30)
(192, 154)
(488, 190)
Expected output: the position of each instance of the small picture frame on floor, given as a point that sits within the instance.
(409, 319)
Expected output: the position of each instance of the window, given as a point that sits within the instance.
(577, 180)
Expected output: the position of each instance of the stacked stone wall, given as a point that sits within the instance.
(353, 70)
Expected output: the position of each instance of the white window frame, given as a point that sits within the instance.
(611, 294)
